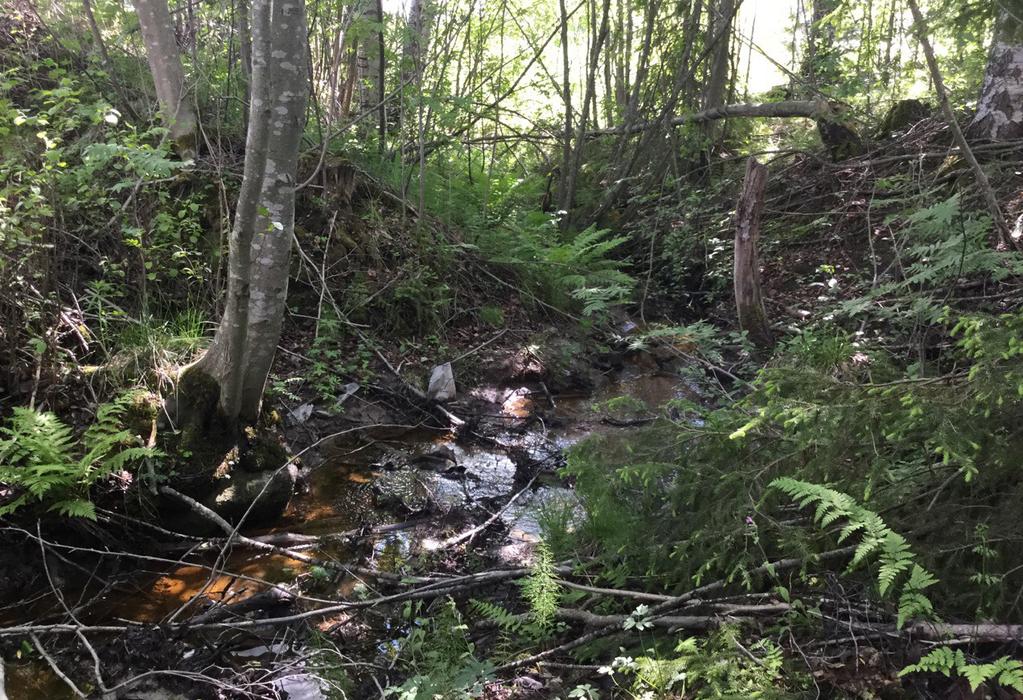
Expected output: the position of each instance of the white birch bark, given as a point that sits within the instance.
(1000, 108)
(168, 75)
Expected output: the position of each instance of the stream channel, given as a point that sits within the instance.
(421, 480)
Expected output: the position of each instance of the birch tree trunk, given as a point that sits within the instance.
(275, 225)
(239, 358)
(168, 75)
(1000, 107)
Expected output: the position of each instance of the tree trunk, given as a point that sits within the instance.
(369, 63)
(570, 176)
(820, 64)
(245, 44)
(168, 75)
(748, 302)
(566, 95)
(1000, 107)
(97, 36)
(722, 13)
(243, 349)
(416, 39)
(920, 27)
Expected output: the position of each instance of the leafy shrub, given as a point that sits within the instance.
(439, 658)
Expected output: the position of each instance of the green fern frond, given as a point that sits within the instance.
(894, 554)
(505, 620)
(40, 456)
(1006, 671)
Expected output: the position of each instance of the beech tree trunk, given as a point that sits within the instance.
(749, 303)
(168, 75)
(1000, 107)
(260, 246)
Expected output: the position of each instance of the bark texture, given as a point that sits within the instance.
(168, 75)
(239, 359)
(999, 114)
(749, 303)
(416, 40)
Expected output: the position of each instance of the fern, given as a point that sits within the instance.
(41, 458)
(895, 556)
(1006, 672)
(505, 620)
(580, 271)
(541, 589)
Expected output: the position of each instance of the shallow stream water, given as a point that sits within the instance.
(345, 490)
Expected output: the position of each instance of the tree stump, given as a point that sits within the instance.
(748, 302)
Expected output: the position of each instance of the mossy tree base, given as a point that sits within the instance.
(221, 462)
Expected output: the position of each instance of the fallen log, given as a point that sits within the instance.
(807, 109)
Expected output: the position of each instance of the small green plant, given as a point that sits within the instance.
(541, 589)
(492, 316)
(720, 666)
(44, 462)
(439, 657)
(1006, 672)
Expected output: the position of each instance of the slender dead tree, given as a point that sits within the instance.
(920, 26)
(569, 177)
(97, 35)
(238, 361)
(749, 304)
(168, 76)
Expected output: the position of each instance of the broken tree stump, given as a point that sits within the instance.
(746, 273)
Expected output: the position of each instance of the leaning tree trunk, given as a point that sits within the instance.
(239, 358)
(168, 75)
(1000, 108)
(748, 301)
(820, 64)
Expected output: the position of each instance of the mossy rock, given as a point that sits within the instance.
(841, 140)
(902, 115)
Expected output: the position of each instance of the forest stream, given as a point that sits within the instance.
(403, 487)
